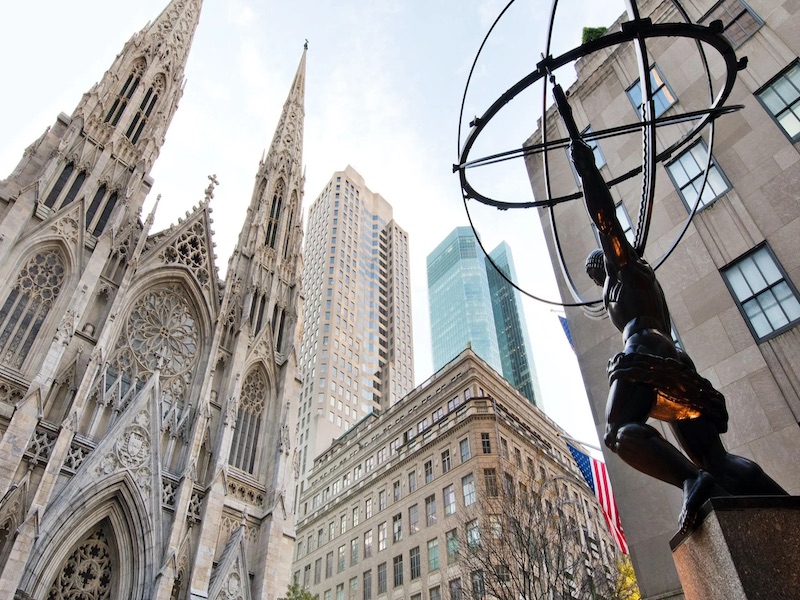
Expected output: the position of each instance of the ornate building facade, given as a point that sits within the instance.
(146, 405)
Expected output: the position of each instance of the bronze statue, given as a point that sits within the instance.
(651, 377)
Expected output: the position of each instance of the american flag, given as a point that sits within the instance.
(595, 474)
(567, 332)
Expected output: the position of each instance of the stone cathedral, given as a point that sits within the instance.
(146, 405)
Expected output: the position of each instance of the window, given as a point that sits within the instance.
(382, 500)
(307, 576)
(455, 589)
(145, 109)
(354, 552)
(518, 458)
(433, 554)
(430, 510)
(415, 563)
(368, 544)
(248, 421)
(343, 524)
(738, 20)
(495, 526)
(468, 487)
(368, 508)
(397, 564)
(445, 461)
(27, 304)
(396, 491)
(486, 443)
(473, 533)
(353, 587)
(412, 481)
(340, 554)
(356, 516)
(663, 97)
(490, 481)
(463, 446)
(452, 546)
(781, 98)
(124, 95)
(478, 587)
(428, 471)
(504, 447)
(599, 159)
(686, 172)
(367, 585)
(329, 565)
(397, 528)
(382, 537)
(382, 578)
(449, 496)
(317, 571)
(764, 295)
(435, 593)
(413, 519)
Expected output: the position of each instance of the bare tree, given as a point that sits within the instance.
(529, 541)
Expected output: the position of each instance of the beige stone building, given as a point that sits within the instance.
(731, 282)
(357, 353)
(147, 408)
(392, 500)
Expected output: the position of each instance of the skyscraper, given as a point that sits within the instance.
(471, 304)
(357, 349)
(147, 407)
(509, 320)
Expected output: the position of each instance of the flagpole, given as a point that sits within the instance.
(588, 445)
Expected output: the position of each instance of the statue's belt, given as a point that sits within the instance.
(681, 393)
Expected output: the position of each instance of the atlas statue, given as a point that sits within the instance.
(652, 377)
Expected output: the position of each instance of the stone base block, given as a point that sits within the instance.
(746, 548)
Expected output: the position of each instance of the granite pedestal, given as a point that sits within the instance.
(746, 548)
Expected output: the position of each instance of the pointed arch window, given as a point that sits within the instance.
(89, 572)
(74, 188)
(248, 421)
(145, 110)
(124, 96)
(288, 234)
(104, 215)
(27, 304)
(66, 173)
(274, 216)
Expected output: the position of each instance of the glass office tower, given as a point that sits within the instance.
(471, 305)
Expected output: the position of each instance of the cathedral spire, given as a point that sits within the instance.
(280, 177)
(268, 256)
(133, 104)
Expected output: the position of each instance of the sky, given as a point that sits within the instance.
(384, 87)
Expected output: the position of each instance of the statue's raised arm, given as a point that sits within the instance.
(597, 198)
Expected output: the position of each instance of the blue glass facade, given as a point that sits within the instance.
(472, 305)
(509, 319)
(459, 301)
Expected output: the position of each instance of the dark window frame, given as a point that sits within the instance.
(740, 304)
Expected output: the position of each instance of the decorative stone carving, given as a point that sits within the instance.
(131, 452)
(190, 250)
(88, 572)
(41, 445)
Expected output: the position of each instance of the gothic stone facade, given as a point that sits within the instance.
(147, 437)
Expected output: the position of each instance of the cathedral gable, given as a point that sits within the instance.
(188, 246)
(230, 579)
